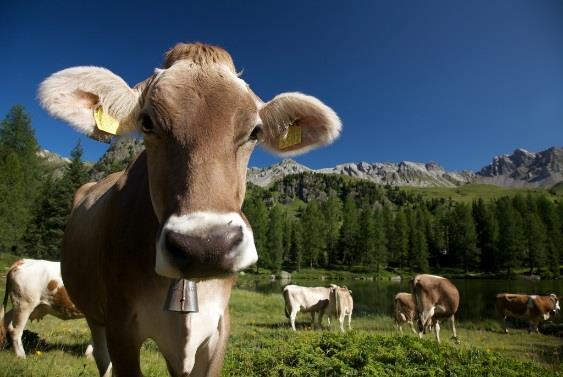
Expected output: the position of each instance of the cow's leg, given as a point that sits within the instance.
(399, 327)
(349, 320)
(341, 320)
(16, 327)
(321, 313)
(100, 351)
(292, 318)
(437, 330)
(124, 347)
(313, 320)
(505, 324)
(411, 323)
(454, 331)
(89, 353)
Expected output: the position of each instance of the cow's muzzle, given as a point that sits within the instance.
(202, 245)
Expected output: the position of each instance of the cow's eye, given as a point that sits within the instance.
(256, 134)
(147, 125)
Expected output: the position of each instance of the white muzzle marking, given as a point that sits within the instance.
(197, 224)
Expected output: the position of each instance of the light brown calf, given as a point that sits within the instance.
(340, 305)
(405, 310)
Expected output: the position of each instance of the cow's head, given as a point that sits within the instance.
(200, 123)
(556, 308)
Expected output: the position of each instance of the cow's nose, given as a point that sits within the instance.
(205, 251)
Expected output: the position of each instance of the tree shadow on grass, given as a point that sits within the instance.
(33, 343)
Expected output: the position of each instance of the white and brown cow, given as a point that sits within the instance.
(305, 299)
(340, 305)
(532, 308)
(36, 289)
(436, 297)
(175, 212)
(405, 310)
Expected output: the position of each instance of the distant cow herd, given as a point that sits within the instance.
(433, 298)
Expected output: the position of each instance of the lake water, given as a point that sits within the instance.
(376, 297)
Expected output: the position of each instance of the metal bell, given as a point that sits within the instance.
(182, 296)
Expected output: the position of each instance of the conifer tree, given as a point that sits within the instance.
(332, 210)
(295, 257)
(19, 176)
(349, 231)
(511, 238)
(400, 241)
(366, 240)
(257, 214)
(463, 239)
(554, 244)
(487, 235)
(313, 241)
(380, 255)
(275, 238)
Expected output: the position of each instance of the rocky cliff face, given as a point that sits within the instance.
(524, 169)
(405, 173)
(117, 157)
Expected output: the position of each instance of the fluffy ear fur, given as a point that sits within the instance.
(72, 95)
(318, 124)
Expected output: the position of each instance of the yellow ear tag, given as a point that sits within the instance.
(293, 137)
(106, 122)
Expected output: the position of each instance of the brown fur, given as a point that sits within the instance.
(52, 285)
(63, 305)
(199, 53)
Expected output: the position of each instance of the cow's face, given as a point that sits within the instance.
(200, 123)
(556, 307)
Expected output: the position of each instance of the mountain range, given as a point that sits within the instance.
(519, 169)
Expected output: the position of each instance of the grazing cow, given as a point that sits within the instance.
(436, 297)
(533, 308)
(36, 289)
(340, 305)
(405, 310)
(305, 299)
(175, 212)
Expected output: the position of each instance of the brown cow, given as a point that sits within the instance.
(36, 289)
(405, 310)
(175, 212)
(533, 308)
(436, 297)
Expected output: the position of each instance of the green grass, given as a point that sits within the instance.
(469, 193)
(262, 344)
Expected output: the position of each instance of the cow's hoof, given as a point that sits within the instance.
(456, 340)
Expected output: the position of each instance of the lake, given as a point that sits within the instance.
(376, 297)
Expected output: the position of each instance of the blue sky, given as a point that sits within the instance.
(448, 81)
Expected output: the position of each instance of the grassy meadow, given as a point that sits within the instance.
(262, 344)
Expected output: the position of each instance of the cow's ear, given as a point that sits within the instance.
(93, 100)
(295, 123)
